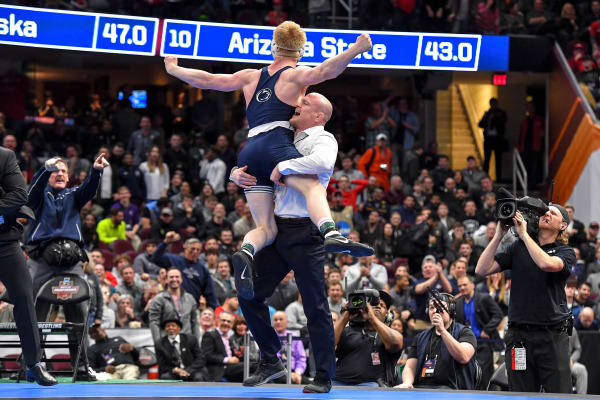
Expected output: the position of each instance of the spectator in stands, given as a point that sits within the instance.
(142, 140)
(188, 218)
(411, 164)
(433, 278)
(366, 348)
(366, 274)
(151, 289)
(238, 210)
(298, 361)
(586, 320)
(432, 237)
(385, 247)
(512, 21)
(582, 297)
(377, 161)
(472, 175)
(481, 313)
(143, 262)
(104, 276)
(230, 305)
(537, 17)
(89, 233)
(165, 223)
(226, 244)
(402, 292)
(176, 156)
(218, 222)
(196, 278)
(397, 191)
(348, 170)
(377, 123)
(349, 195)
(114, 356)
(112, 228)
(377, 202)
(131, 177)
(444, 353)
(335, 293)
(108, 314)
(295, 315)
(575, 229)
(458, 269)
(531, 143)
(493, 124)
(285, 293)
(442, 171)
(220, 361)
(222, 280)
(125, 316)
(230, 196)
(156, 175)
(372, 230)
(131, 215)
(236, 342)
(213, 170)
(132, 287)
(567, 26)
(178, 354)
(246, 223)
(207, 322)
(434, 13)
(487, 17)
(173, 303)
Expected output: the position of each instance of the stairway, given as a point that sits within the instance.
(454, 134)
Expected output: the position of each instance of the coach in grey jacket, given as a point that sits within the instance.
(163, 308)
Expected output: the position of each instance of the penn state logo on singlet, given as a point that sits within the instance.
(263, 95)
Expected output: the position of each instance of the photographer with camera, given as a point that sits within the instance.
(367, 349)
(54, 240)
(537, 340)
(443, 356)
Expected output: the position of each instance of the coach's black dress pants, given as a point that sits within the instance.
(17, 279)
(299, 247)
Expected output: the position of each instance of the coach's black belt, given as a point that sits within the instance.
(559, 327)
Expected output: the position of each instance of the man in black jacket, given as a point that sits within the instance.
(179, 355)
(114, 356)
(220, 361)
(14, 274)
(481, 313)
(493, 124)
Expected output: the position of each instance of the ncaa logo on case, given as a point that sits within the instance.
(263, 95)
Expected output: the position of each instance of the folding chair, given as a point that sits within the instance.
(62, 290)
(66, 289)
(499, 378)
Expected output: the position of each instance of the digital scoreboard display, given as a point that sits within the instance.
(243, 43)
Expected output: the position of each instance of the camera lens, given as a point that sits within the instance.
(506, 210)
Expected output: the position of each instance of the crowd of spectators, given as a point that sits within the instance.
(458, 16)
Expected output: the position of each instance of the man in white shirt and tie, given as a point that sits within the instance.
(298, 246)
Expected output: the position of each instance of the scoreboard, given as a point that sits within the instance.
(109, 33)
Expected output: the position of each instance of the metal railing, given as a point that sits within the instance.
(519, 172)
(288, 361)
(346, 5)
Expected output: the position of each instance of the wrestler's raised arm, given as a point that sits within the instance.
(331, 68)
(206, 80)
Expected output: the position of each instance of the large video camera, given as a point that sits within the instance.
(531, 208)
(357, 301)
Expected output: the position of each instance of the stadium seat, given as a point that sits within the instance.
(122, 246)
(108, 259)
(60, 365)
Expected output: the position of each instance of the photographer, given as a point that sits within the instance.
(367, 349)
(539, 319)
(443, 355)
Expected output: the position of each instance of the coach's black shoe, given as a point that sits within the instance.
(318, 386)
(339, 244)
(38, 374)
(242, 271)
(266, 372)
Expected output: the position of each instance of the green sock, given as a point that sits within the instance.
(326, 227)
(248, 248)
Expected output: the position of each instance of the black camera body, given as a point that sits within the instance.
(531, 208)
(357, 301)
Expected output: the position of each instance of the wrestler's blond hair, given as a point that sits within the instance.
(290, 38)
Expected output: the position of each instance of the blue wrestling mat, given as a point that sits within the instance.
(236, 391)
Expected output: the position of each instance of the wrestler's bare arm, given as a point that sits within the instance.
(206, 80)
(331, 68)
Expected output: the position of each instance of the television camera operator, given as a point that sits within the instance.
(367, 349)
(537, 340)
(443, 356)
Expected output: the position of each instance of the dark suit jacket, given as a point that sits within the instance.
(13, 196)
(214, 352)
(577, 239)
(191, 356)
(487, 312)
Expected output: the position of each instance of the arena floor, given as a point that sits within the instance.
(236, 391)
